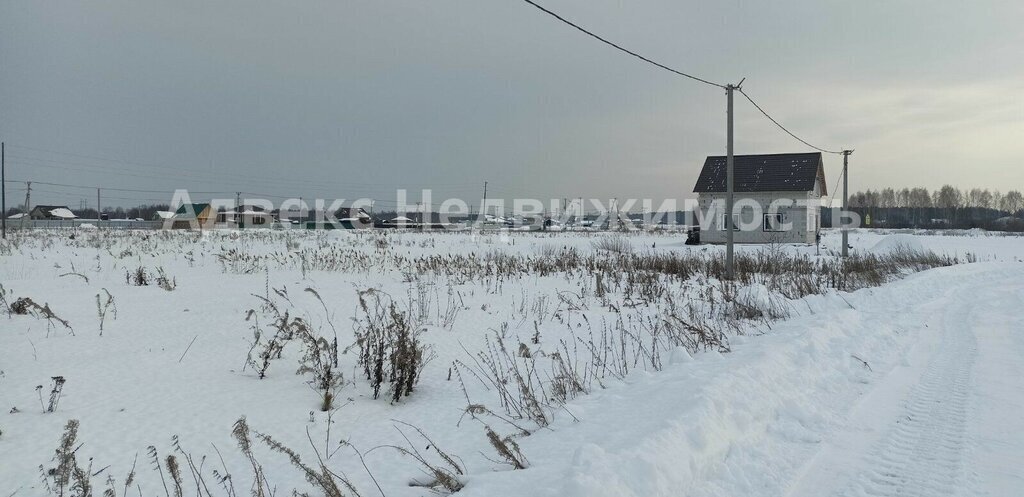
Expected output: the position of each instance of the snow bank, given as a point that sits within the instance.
(898, 242)
(747, 422)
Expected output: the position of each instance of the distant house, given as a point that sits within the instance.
(250, 216)
(354, 218)
(343, 218)
(52, 212)
(192, 216)
(353, 214)
(762, 180)
(245, 216)
(399, 222)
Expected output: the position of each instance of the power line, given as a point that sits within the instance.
(783, 128)
(621, 48)
(663, 66)
(351, 189)
(832, 198)
(171, 171)
(110, 189)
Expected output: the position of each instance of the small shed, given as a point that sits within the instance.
(783, 191)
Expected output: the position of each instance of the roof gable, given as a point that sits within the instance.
(191, 209)
(48, 208)
(763, 173)
(51, 212)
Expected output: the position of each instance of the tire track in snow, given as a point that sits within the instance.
(923, 455)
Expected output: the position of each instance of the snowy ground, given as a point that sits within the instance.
(905, 389)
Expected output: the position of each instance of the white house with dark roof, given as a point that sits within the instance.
(777, 197)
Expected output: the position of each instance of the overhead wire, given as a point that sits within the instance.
(176, 171)
(783, 128)
(305, 186)
(619, 47)
(678, 72)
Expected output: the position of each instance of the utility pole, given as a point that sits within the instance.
(3, 189)
(99, 215)
(729, 165)
(238, 210)
(846, 185)
(583, 212)
(28, 198)
(615, 206)
(483, 206)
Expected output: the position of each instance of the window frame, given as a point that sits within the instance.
(768, 227)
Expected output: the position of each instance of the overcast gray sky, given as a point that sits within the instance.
(345, 98)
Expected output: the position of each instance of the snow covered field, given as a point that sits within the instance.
(602, 377)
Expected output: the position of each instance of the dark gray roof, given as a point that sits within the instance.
(762, 173)
(48, 208)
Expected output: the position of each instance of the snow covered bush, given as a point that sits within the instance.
(105, 305)
(515, 378)
(444, 476)
(66, 477)
(320, 358)
(26, 306)
(142, 277)
(319, 355)
(507, 448)
(614, 244)
(390, 350)
(138, 277)
(267, 344)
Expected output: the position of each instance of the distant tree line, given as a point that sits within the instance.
(948, 207)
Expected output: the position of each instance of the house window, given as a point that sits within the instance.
(735, 222)
(773, 222)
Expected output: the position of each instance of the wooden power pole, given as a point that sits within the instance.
(483, 207)
(28, 205)
(3, 190)
(846, 199)
(729, 165)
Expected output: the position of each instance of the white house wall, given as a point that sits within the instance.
(805, 221)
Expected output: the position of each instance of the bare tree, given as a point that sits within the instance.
(949, 198)
(919, 200)
(1012, 202)
(903, 198)
(985, 199)
(887, 198)
(972, 198)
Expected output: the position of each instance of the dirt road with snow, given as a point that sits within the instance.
(949, 423)
(909, 389)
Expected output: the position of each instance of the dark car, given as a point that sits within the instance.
(693, 236)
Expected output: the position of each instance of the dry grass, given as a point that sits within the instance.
(389, 346)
